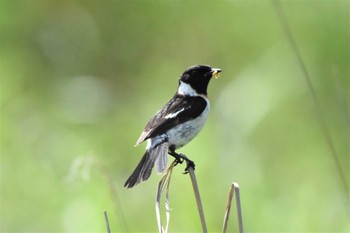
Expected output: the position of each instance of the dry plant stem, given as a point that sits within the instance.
(198, 198)
(239, 210)
(234, 189)
(228, 208)
(107, 222)
(164, 186)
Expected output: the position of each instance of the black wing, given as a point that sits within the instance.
(178, 110)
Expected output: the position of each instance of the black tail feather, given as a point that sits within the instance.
(142, 172)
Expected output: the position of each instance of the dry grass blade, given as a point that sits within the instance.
(107, 222)
(238, 205)
(164, 185)
(228, 208)
(198, 198)
(234, 189)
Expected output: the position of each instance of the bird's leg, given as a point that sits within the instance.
(180, 158)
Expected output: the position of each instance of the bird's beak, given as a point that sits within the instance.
(216, 72)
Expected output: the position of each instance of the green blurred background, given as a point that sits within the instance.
(80, 79)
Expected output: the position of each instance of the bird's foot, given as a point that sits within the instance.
(189, 164)
(179, 158)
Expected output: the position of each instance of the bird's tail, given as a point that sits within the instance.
(143, 170)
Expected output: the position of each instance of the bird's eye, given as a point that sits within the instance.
(185, 77)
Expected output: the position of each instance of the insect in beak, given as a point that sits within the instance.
(216, 72)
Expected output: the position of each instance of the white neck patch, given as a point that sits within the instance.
(186, 89)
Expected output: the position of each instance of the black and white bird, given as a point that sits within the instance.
(176, 124)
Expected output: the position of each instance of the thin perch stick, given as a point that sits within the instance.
(198, 198)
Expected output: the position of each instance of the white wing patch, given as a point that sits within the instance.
(173, 115)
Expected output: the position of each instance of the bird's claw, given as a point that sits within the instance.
(189, 164)
(180, 158)
(178, 161)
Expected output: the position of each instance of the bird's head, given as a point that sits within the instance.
(195, 79)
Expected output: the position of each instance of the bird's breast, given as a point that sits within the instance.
(182, 134)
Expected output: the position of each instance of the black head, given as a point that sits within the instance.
(198, 77)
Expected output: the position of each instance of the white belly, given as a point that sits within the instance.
(184, 133)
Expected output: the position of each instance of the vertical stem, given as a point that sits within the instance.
(107, 222)
(198, 198)
(239, 210)
(234, 189)
(228, 208)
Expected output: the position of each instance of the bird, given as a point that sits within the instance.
(176, 124)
